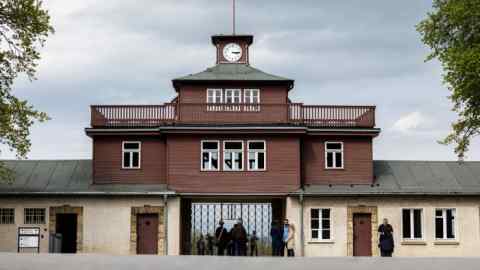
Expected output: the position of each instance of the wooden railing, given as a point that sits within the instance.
(293, 113)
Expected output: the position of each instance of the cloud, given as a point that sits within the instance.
(411, 122)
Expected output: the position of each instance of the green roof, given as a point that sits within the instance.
(233, 72)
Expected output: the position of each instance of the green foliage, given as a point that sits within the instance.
(24, 27)
(452, 31)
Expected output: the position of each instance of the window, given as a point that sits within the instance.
(256, 155)
(233, 96)
(34, 216)
(210, 151)
(412, 223)
(334, 155)
(251, 96)
(131, 155)
(445, 224)
(320, 223)
(7, 216)
(214, 96)
(232, 156)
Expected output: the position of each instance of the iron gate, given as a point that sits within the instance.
(256, 217)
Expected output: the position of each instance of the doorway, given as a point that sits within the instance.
(147, 233)
(362, 234)
(66, 226)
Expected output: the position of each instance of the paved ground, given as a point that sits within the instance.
(9, 261)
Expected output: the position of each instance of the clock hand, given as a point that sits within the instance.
(236, 52)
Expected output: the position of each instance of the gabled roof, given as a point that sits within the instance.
(412, 178)
(66, 177)
(232, 72)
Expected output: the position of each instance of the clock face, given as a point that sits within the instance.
(232, 52)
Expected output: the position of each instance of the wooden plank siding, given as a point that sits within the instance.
(358, 161)
(282, 173)
(107, 158)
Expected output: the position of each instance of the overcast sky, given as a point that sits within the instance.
(338, 52)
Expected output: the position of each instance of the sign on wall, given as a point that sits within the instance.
(29, 237)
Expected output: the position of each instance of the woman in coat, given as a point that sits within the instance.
(289, 238)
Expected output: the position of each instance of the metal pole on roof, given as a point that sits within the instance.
(233, 17)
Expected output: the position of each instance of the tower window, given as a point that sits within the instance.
(210, 153)
(131, 155)
(251, 96)
(232, 155)
(256, 155)
(334, 155)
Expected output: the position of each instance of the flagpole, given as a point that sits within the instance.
(233, 17)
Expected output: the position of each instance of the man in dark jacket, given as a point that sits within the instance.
(386, 243)
(239, 237)
(221, 238)
(277, 243)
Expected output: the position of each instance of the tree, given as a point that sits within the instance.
(452, 31)
(24, 27)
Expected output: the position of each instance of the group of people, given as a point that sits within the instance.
(235, 242)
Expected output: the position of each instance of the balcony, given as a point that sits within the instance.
(327, 116)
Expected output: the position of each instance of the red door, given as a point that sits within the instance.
(147, 233)
(362, 235)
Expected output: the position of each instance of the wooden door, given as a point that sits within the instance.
(362, 235)
(147, 233)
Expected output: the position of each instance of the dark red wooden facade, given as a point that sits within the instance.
(171, 136)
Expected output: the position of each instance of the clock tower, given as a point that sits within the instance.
(232, 49)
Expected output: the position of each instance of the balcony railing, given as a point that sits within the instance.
(201, 113)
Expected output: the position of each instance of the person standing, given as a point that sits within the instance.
(221, 238)
(201, 246)
(277, 243)
(253, 244)
(386, 243)
(239, 236)
(289, 238)
(209, 239)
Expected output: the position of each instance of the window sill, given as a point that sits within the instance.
(413, 242)
(334, 169)
(313, 241)
(446, 242)
(128, 169)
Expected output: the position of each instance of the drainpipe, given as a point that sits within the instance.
(165, 222)
(302, 231)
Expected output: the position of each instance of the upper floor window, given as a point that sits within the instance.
(232, 155)
(445, 224)
(251, 96)
(334, 155)
(256, 155)
(320, 223)
(214, 96)
(131, 155)
(7, 216)
(412, 224)
(34, 216)
(210, 153)
(233, 96)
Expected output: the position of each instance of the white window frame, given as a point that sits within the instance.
(242, 151)
(256, 156)
(334, 155)
(235, 94)
(35, 216)
(139, 151)
(250, 106)
(412, 224)
(444, 219)
(218, 156)
(216, 92)
(320, 228)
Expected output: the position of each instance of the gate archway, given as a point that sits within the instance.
(202, 218)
